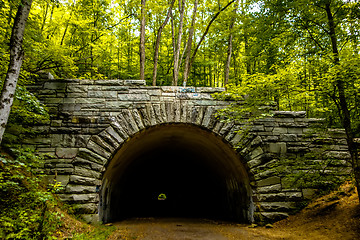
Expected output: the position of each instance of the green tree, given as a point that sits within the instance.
(306, 61)
(16, 56)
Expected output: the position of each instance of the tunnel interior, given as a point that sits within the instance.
(198, 174)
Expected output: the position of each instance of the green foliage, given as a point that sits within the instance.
(250, 97)
(99, 39)
(283, 90)
(100, 233)
(26, 206)
(259, 93)
(347, 71)
(312, 171)
(27, 110)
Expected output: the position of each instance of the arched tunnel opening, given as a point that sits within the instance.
(176, 170)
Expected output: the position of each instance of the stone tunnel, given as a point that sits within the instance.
(116, 145)
(200, 174)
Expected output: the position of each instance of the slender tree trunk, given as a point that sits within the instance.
(228, 59)
(128, 55)
(345, 116)
(45, 16)
(178, 44)
(50, 34)
(230, 46)
(16, 57)
(172, 32)
(203, 76)
(66, 28)
(236, 72)
(189, 43)
(246, 38)
(142, 40)
(205, 33)
(182, 55)
(118, 61)
(247, 55)
(93, 36)
(157, 44)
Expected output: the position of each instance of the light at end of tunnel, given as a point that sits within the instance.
(161, 197)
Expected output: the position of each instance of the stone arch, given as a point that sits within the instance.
(192, 165)
(144, 120)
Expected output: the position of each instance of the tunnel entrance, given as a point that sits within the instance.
(199, 174)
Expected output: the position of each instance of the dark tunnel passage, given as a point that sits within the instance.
(200, 175)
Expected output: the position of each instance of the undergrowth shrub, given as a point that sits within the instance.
(26, 112)
(26, 204)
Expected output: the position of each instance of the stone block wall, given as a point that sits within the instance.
(291, 137)
(91, 119)
(81, 108)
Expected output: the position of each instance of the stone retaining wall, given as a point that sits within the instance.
(91, 119)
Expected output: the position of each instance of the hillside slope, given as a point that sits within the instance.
(334, 216)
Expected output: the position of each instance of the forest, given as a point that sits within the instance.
(301, 55)
(289, 51)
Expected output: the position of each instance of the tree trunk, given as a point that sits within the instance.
(16, 57)
(45, 16)
(66, 28)
(178, 44)
(51, 34)
(93, 37)
(172, 33)
(230, 47)
(189, 43)
(118, 61)
(228, 59)
(205, 33)
(157, 44)
(142, 40)
(345, 116)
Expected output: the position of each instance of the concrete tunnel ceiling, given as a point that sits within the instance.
(201, 175)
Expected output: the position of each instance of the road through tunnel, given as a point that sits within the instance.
(198, 172)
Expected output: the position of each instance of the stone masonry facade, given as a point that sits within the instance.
(91, 119)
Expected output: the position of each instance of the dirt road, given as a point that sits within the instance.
(182, 229)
